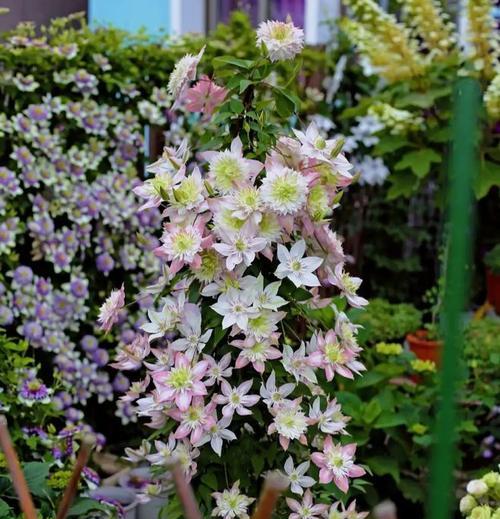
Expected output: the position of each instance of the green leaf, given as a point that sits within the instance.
(210, 479)
(488, 177)
(422, 99)
(418, 161)
(402, 185)
(236, 106)
(384, 465)
(389, 143)
(36, 474)
(84, 505)
(244, 84)
(286, 103)
(371, 411)
(5, 509)
(386, 420)
(230, 60)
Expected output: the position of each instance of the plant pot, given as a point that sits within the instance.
(136, 479)
(493, 289)
(124, 496)
(151, 509)
(424, 348)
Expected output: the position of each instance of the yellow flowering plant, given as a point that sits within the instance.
(417, 59)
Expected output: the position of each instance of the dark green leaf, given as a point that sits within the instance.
(418, 161)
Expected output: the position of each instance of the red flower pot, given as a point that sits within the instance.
(424, 348)
(493, 288)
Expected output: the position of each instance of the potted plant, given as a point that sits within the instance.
(425, 342)
(492, 262)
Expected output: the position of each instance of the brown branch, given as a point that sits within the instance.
(274, 486)
(184, 491)
(72, 488)
(18, 479)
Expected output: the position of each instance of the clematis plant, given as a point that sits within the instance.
(239, 374)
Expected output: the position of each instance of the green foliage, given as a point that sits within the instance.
(492, 259)
(384, 321)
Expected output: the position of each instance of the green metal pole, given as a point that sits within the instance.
(462, 169)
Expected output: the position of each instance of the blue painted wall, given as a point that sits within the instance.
(131, 14)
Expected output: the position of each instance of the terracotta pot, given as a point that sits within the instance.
(125, 497)
(424, 348)
(493, 287)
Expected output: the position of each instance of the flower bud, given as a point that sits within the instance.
(467, 503)
(491, 479)
(477, 488)
(481, 512)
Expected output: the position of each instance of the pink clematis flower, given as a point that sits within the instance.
(195, 421)
(306, 509)
(109, 311)
(256, 352)
(205, 96)
(348, 285)
(182, 244)
(325, 351)
(289, 422)
(130, 356)
(229, 170)
(235, 399)
(181, 382)
(336, 463)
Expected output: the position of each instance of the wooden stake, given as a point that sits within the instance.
(185, 492)
(274, 486)
(72, 488)
(18, 479)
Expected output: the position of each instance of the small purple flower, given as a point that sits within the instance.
(23, 156)
(89, 343)
(73, 415)
(23, 275)
(62, 305)
(42, 311)
(43, 286)
(127, 336)
(85, 82)
(78, 288)
(100, 357)
(35, 431)
(105, 263)
(38, 113)
(32, 331)
(121, 383)
(6, 316)
(62, 400)
(34, 391)
(91, 476)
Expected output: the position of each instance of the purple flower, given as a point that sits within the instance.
(32, 331)
(78, 288)
(105, 263)
(6, 316)
(121, 383)
(91, 476)
(38, 113)
(34, 391)
(23, 275)
(89, 343)
(100, 357)
(43, 286)
(42, 311)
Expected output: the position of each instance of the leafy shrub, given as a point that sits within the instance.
(384, 321)
(76, 105)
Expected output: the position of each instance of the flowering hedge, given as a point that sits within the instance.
(75, 107)
(235, 362)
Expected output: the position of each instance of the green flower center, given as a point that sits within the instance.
(240, 245)
(180, 378)
(285, 190)
(227, 171)
(295, 265)
(184, 242)
(320, 143)
(333, 352)
(187, 192)
(161, 184)
(335, 459)
(280, 32)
